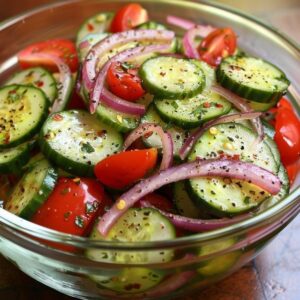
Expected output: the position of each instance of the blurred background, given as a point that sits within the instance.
(283, 14)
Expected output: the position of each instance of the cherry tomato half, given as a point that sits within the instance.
(122, 169)
(123, 81)
(287, 135)
(62, 48)
(73, 206)
(128, 17)
(218, 44)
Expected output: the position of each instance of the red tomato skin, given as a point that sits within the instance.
(128, 17)
(218, 44)
(61, 48)
(73, 206)
(287, 135)
(124, 83)
(125, 168)
(292, 171)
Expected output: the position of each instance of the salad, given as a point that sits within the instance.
(134, 133)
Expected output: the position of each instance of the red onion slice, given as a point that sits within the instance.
(166, 139)
(197, 225)
(121, 105)
(120, 57)
(242, 105)
(188, 41)
(192, 139)
(65, 80)
(180, 22)
(103, 46)
(208, 168)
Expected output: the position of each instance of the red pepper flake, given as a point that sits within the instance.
(57, 117)
(90, 27)
(219, 105)
(39, 83)
(7, 138)
(206, 105)
(101, 133)
(148, 134)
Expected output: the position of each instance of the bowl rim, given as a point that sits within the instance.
(292, 200)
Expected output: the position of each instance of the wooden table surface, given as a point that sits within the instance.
(274, 274)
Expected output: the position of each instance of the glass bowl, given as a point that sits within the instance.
(39, 252)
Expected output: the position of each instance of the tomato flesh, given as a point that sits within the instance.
(157, 201)
(125, 168)
(62, 48)
(73, 206)
(124, 82)
(217, 45)
(128, 17)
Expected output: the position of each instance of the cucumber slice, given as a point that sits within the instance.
(32, 190)
(172, 78)
(119, 121)
(221, 264)
(184, 204)
(23, 109)
(209, 73)
(192, 112)
(270, 132)
(258, 106)
(37, 77)
(92, 39)
(226, 196)
(252, 78)
(96, 24)
(76, 141)
(284, 191)
(179, 135)
(136, 225)
(13, 159)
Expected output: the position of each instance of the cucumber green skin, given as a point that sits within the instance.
(39, 198)
(81, 30)
(38, 125)
(165, 94)
(123, 127)
(258, 106)
(168, 118)
(16, 163)
(43, 192)
(152, 25)
(202, 204)
(246, 92)
(67, 164)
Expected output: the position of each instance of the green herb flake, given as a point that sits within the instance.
(79, 222)
(67, 215)
(91, 207)
(174, 104)
(127, 66)
(87, 147)
(247, 200)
